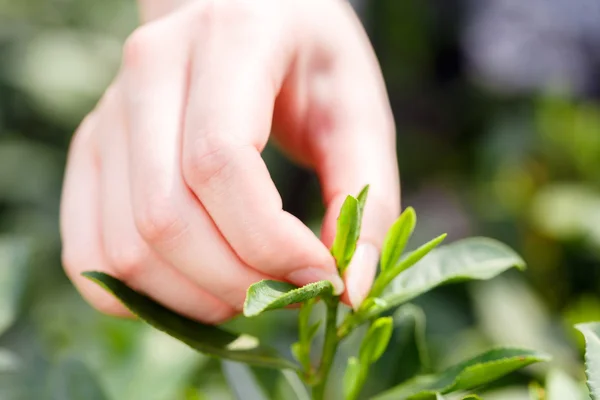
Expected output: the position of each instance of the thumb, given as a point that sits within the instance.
(354, 161)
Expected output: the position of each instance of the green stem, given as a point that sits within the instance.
(329, 349)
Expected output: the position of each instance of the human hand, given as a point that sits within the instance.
(165, 187)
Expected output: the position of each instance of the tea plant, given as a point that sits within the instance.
(403, 276)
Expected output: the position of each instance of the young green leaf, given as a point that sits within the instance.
(352, 378)
(439, 397)
(206, 339)
(411, 259)
(471, 397)
(469, 374)
(362, 198)
(362, 201)
(376, 340)
(396, 238)
(306, 332)
(467, 259)
(348, 230)
(271, 295)
(591, 333)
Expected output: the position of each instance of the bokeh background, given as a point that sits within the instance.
(498, 118)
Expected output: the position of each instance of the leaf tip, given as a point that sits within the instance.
(97, 277)
(246, 309)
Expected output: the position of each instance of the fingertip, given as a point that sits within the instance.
(360, 274)
(309, 275)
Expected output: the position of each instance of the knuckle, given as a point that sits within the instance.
(236, 20)
(158, 219)
(259, 252)
(127, 259)
(217, 12)
(207, 160)
(139, 46)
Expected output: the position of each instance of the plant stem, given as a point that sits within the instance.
(329, 348)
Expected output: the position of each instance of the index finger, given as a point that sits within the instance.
(228, 120)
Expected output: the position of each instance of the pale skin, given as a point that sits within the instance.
(165, 187)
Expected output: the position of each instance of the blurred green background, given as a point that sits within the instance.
(498, 123)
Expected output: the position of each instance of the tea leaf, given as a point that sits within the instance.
(270, 295)
(439, 397)
(352, 378)
(411, 259)
(376, 340)
(469, 374)
(348, 230)
(362, 198)
(591, 333)
(206, 339)
(396, 238)
(467, 259)
(471, 397)
(362, 201)
(306, 332)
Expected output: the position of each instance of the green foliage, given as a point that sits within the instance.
(371, 349)
(473, 159)
(348, 230)
(467, 259)
(353, 378)
(469, 374)
(396, 239)
(591, 333)
(411, 259)
(402, 279)
(362, 201)
(204, 338)
(376, 340)
(271, 295)
(306, 333)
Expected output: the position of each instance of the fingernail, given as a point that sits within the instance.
(361, 272)
(305, 276)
